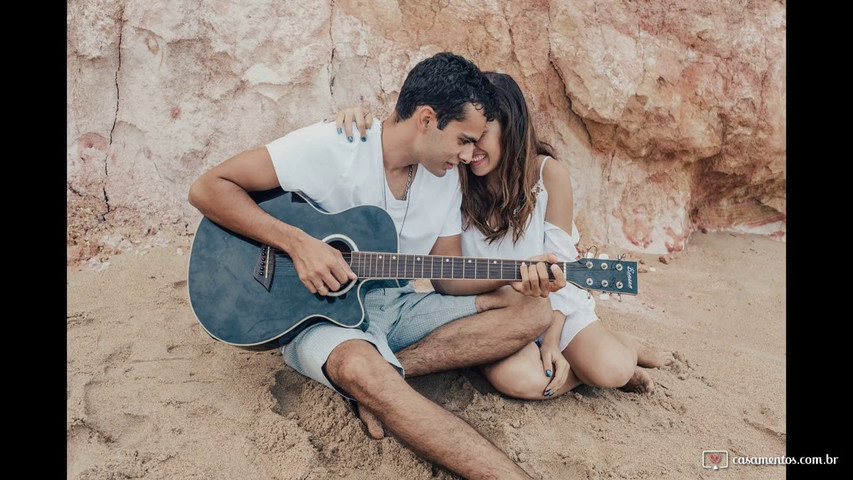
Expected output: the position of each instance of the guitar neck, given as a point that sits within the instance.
(619, 276)
(436, 267)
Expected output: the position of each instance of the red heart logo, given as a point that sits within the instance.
(714, 457)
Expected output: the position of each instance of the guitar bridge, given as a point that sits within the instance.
(265, 268)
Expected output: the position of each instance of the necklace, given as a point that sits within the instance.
(405, 195)
(408, 183)
(385, 186)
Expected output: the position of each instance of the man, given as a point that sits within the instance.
(410, 171)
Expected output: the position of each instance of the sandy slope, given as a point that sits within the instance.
(151, 396)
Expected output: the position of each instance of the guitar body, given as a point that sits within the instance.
(245, 294)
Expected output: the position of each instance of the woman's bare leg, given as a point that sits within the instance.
(612, 360)
(521, 375)
(597, 357)
(647, 355)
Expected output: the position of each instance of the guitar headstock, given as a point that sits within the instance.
(604, 274)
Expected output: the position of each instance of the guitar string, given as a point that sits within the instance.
(506, 275)
(571, 266)
(370, 261)
(357, 253)
(459, 271)
(430, 263)
(373, 257)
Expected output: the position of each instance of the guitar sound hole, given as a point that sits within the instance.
(342, 245)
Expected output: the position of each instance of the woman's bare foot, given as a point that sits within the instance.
(647, 355)
(640, 382)
(652, 357)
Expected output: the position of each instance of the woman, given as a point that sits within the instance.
(517, 203)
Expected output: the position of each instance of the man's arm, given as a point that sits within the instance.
(221, 194)
(534, 277)
(452, 247)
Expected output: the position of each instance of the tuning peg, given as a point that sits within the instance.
(604, 296)
(619, 297)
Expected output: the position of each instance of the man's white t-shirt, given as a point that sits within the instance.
(338, 174)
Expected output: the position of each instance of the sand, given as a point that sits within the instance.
(150, 395)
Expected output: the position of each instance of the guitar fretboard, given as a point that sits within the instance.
(395, 265)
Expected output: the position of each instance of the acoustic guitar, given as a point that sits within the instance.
(248, 294)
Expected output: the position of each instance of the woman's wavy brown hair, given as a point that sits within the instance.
(513, 205)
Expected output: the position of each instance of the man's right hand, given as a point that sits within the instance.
(321, 268)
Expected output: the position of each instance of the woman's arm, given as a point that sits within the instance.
(558, 182)
(559, 212)
(345, 118)
(555, 364)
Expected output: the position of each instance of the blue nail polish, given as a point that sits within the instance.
(350, 139)
(549, 393)
(547, 373)
(363, 139)
(339, 131)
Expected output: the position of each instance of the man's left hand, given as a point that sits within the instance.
(534, 276)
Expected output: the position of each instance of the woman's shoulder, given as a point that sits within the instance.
(555, 174)
(558, 184)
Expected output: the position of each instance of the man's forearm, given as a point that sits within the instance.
(230, 206)
(467, 287)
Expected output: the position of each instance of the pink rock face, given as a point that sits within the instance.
(669, 114)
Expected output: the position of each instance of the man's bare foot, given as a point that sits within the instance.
(647, 355)
(640, 382)
(371, 423)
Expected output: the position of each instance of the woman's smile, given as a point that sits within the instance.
(479, 157)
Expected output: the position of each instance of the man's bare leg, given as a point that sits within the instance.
(428, 430)
(371, 422)
(506, 321)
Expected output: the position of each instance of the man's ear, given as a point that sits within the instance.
(425, 118)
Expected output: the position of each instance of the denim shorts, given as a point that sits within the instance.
(398, 318)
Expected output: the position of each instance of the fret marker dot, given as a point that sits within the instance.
(394, 258)
(380, 257)
(419, 259)
(495, 261)
(446, 259)
(469, 261)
